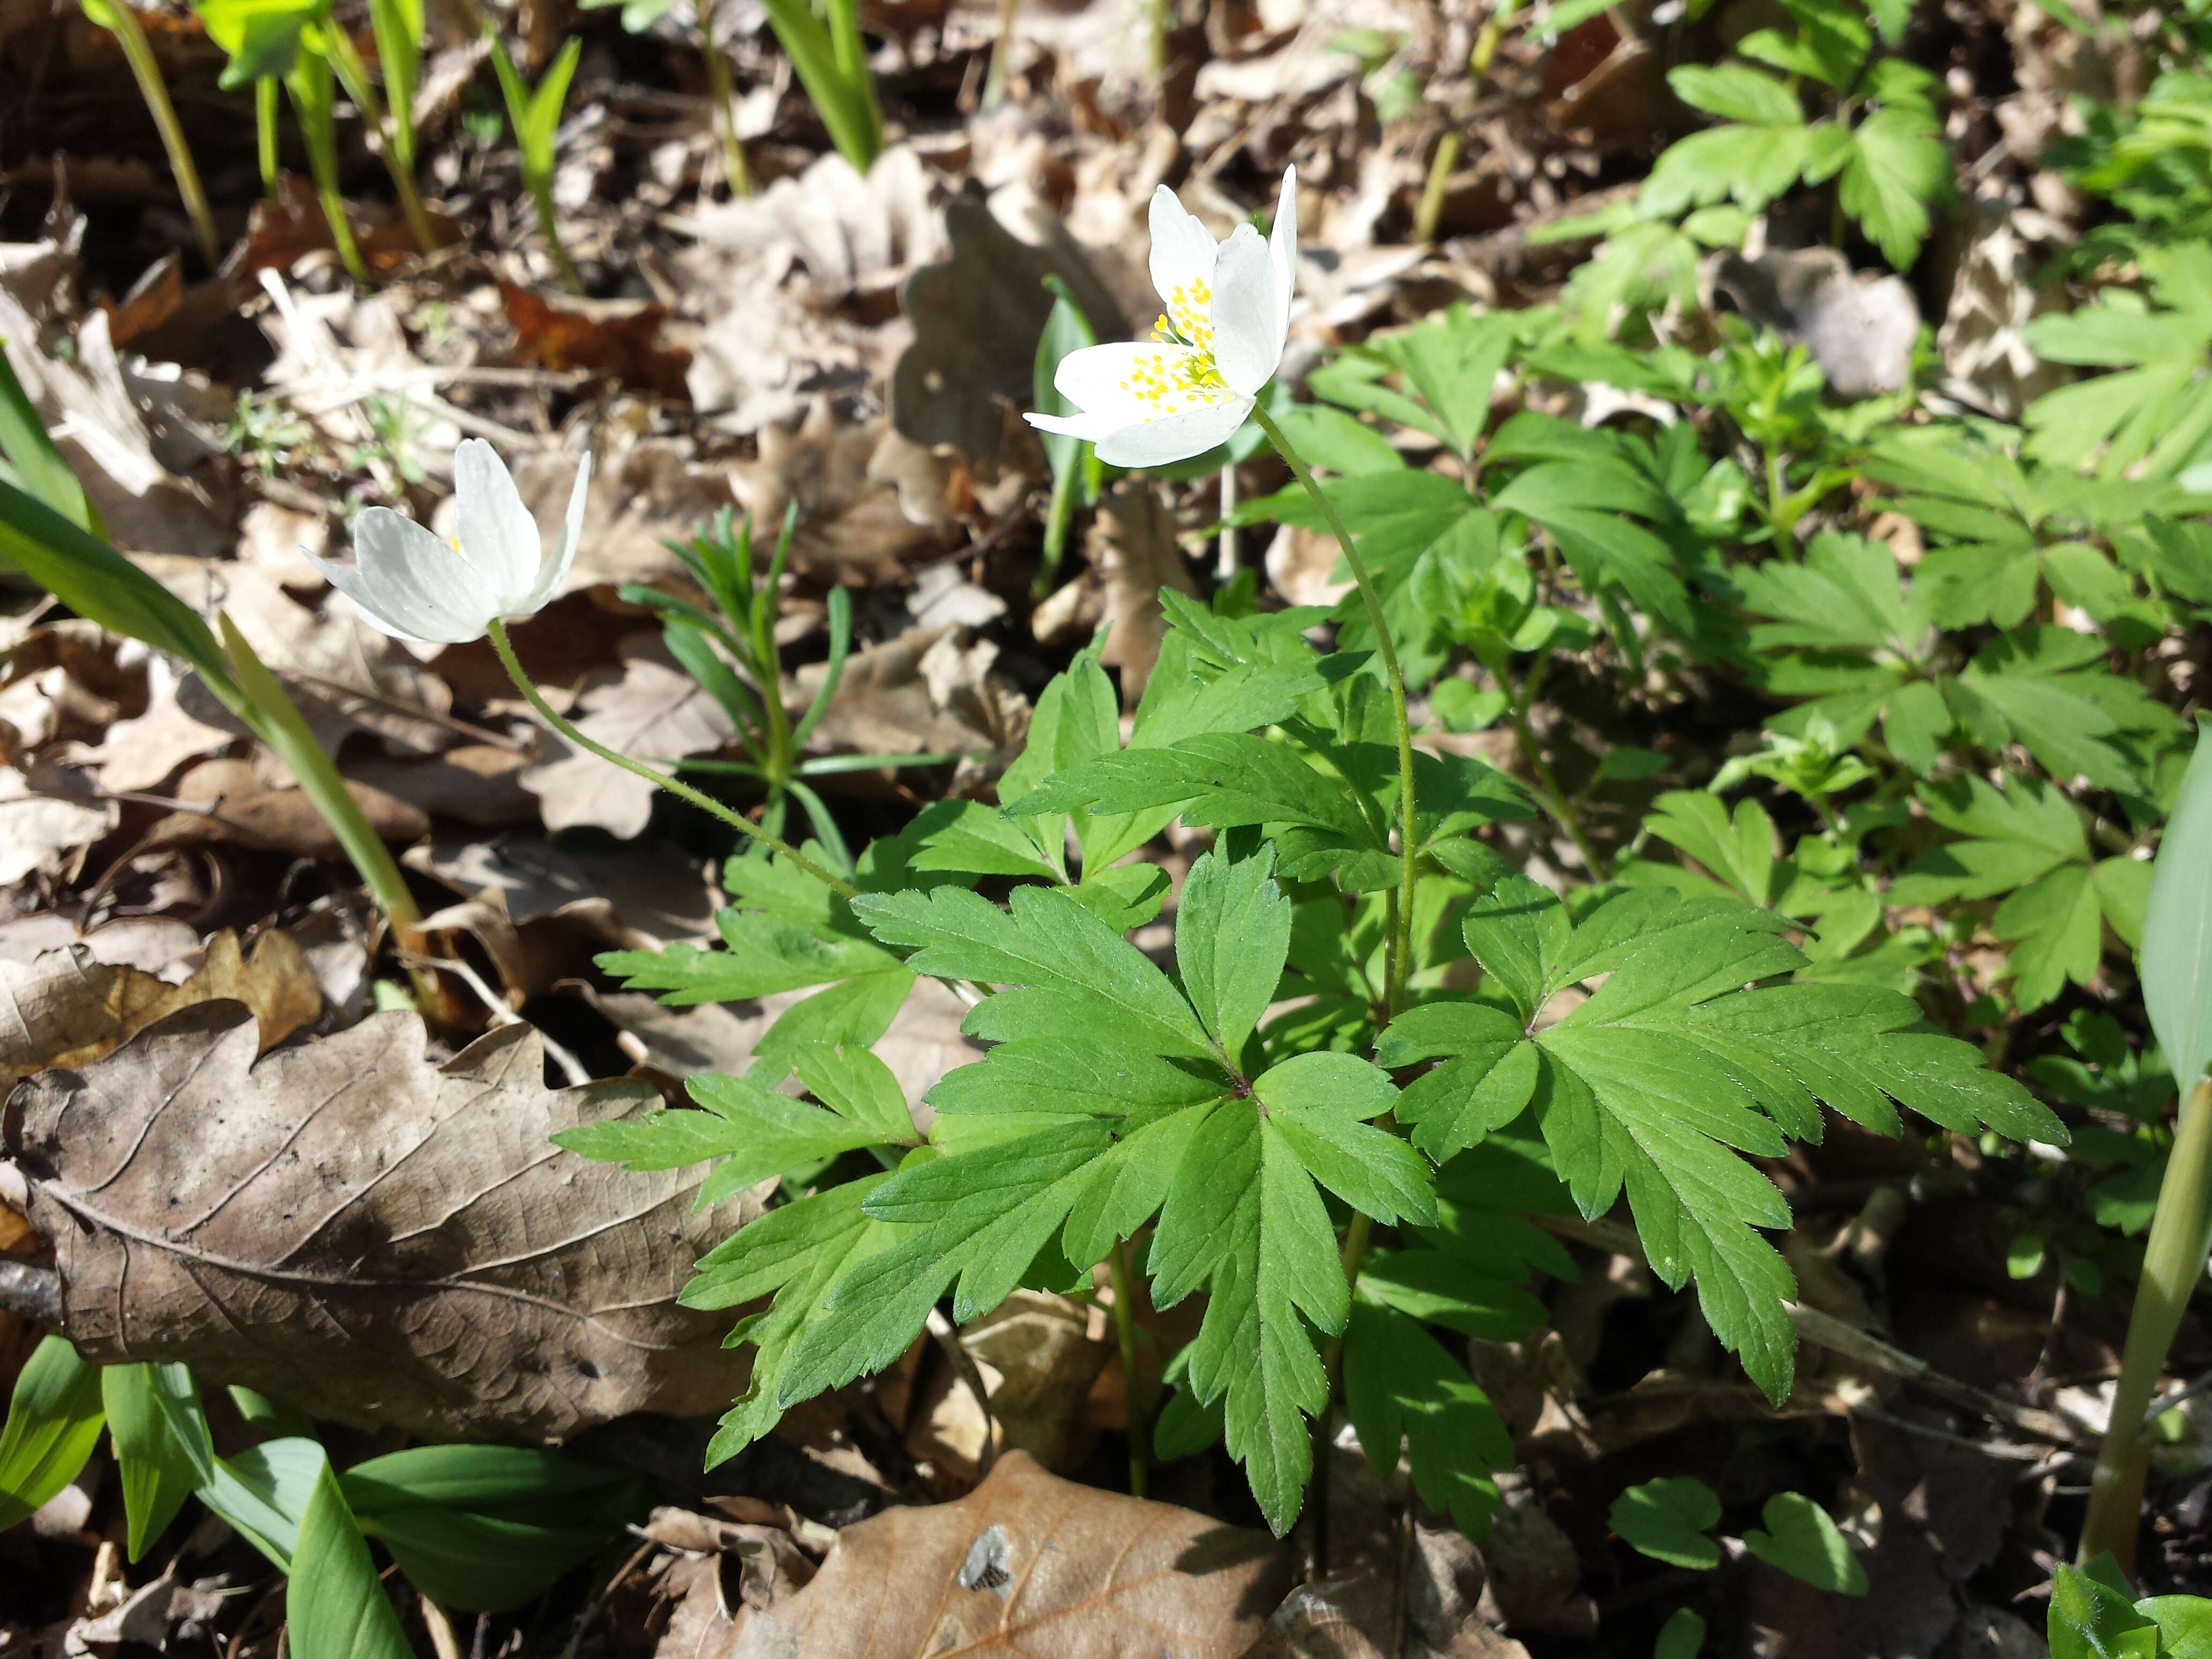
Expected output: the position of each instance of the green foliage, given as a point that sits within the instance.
(335, 1606)
(1800, 1540)
(1669, 1520)
(2176, 935)
(54, 1419)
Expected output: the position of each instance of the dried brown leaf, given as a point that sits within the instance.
(651, 710)
(375, 1239)
(68, 1007)
(1133, 543)
(1030, 1564)
(230, 805)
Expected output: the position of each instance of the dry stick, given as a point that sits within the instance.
(1840, 1337)
(2173, 1262)
(31, 1291)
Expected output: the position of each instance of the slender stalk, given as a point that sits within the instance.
(549, 226)
(1400, 952)
(2173, 1265)
(1432, 192)
(1133, 1380)
(1162, 20)
(995, 83)
(310, 83)
(737, 172)
(659, 780)
(354, 74)
(267, 96)
(124, 23)
(1548, 796)
(1401, 958)
(1225, 557)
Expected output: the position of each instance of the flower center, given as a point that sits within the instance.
(1171, 385)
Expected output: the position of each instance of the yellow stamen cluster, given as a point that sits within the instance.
(1176, 381)
(1183, 377)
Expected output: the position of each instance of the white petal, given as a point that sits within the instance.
(410, 583)
(1183, 248)
(1177, 437)
(1248, 338)
(1283, 249)
(1131, 381)
(556, 568)
(1089, 428)
(496, 533)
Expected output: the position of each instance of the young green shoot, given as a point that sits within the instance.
(535, 115)
(119, 20)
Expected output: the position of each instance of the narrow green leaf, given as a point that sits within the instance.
(335, 1606)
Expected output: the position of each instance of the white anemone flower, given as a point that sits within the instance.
(407, 582)
(1149, 402)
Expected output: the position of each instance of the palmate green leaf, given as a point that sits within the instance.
(1045, 941)
(1749, 164)
(2047, 689)
(2027, 843)
(1243, 1220)
(1488, 1079)
(794, 1253)
(1898, 168)
(753, 1132)
(1403, 1387)
(1223, 779)
(1672, 1069)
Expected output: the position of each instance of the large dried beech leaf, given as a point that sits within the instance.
(67, 1007)
(1029, 1565)
(378, 1240)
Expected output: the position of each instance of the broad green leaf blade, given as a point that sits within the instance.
(1669, 1520)
(54, 1419)
(158, 1472)
(2177, 941)
(1402, 1386)
(335, 1606)
(28, 448)
(1800, 1540)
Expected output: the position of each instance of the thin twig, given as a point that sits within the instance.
(31, 1291)
(571, 1067)
(963, 1367)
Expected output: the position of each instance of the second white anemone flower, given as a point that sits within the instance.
(407, 582)
(1149, 402)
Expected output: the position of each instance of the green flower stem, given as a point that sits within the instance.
(737, 173)
(266, 94)
(139, 54)
(549, 226)
(354, 74)
(310, 85)
(1133, 1383)
(1401, 936)
(659, 780)
(2173, 1265)
(257, 697)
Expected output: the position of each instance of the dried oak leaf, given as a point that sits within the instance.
(976, 317)
(68, 1007)
(373, 1238)
(653, 710)
(232, 807)
(623, 341)
(1030, 1564)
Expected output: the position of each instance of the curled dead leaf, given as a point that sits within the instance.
(371, 1237)
(68, 1007)
(1028, 1564)
(232, 806)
